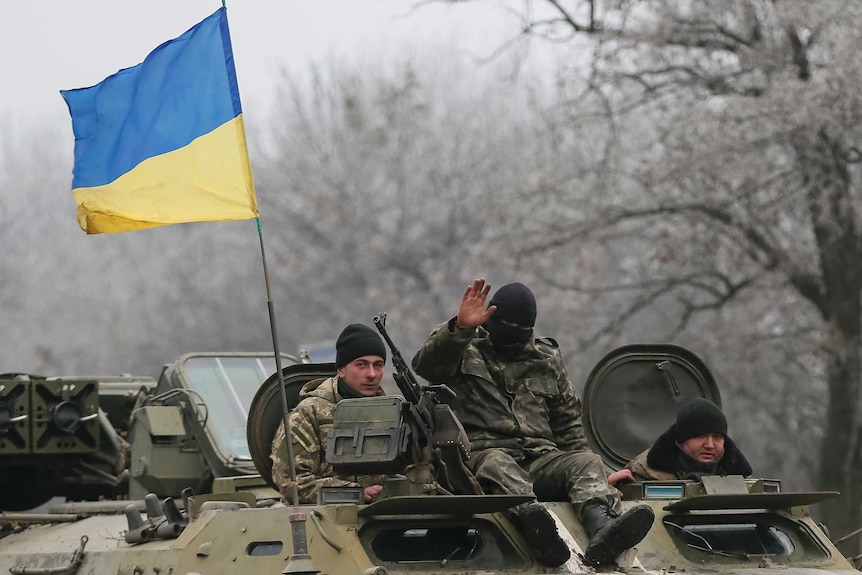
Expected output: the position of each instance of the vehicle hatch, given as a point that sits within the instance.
(757, 537)
(634, 393)
(427, 544)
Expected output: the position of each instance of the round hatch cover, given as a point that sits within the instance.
(634, 393)
(265, 413)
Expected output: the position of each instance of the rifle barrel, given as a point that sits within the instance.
(403, 376)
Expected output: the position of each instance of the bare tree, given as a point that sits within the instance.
(730, 151)
(380, 181)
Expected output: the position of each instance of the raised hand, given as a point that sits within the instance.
(472, 312)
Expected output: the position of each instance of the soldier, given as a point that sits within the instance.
(359, 358)
(523, 419)
(695, 445)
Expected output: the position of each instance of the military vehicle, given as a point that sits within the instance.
(173, 477)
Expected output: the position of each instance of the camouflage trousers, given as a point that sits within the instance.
(578, 476)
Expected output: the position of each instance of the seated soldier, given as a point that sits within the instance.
(359, 358)
(695, 445)
(523, 419)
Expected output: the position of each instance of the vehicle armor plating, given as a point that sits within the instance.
(173, 477)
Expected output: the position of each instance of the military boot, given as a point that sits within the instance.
(540, 531)
(611, 533)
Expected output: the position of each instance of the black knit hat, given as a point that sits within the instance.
(699, 417)
(515, 303)
(357, 340)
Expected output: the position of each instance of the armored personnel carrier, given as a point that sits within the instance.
(173, 477)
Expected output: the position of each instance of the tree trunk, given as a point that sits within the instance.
(824, 171)
(840, 468)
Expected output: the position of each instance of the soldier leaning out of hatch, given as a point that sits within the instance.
(523, 419)
(695, 445)
(360, 356)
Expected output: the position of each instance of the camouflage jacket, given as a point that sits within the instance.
(523, 404)
(310, 423)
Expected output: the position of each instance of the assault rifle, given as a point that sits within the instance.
(421, 401)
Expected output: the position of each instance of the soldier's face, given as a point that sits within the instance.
(705, 448)
(363, 374)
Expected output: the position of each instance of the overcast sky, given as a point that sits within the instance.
(49, 45)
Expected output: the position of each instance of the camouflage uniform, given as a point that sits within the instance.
(521, 415)
(310, 423)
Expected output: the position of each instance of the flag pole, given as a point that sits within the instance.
(285, 413)
(300, 561)
(284, 408)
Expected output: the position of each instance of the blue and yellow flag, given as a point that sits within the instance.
(163, 142)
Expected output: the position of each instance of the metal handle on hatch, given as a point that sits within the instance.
(664, 367)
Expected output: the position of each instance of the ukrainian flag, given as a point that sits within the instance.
(163, 142)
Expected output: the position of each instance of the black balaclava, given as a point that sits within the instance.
(515, 303)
